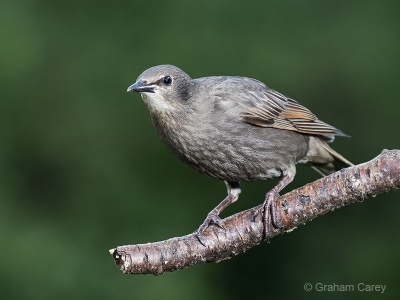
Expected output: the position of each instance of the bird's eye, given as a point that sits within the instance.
(167, 80)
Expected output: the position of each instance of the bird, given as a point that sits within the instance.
(236, 129)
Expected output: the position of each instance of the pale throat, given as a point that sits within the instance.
(156, 103)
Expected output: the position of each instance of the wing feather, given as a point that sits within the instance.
(272, 109)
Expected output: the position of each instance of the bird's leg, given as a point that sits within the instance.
(213, 216)
(270, 197)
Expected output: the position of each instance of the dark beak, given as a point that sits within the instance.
(141, 87)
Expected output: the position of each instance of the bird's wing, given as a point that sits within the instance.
(268, 108)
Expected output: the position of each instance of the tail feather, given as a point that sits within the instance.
(327, 160)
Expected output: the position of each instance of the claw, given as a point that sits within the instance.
(212, 219)
(267, 213)
(270, 197)
(215, 220)
(200, 238)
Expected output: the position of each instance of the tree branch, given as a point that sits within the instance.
(245, 229)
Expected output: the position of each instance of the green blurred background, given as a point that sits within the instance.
(82, 169)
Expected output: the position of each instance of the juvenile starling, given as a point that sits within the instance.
(236, 129)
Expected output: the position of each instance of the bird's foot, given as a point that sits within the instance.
(212, 219)
(268, 215)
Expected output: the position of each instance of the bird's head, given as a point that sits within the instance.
(163, 88)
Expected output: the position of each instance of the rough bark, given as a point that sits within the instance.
(245, 229)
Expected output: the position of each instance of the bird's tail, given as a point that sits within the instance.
(328, 161)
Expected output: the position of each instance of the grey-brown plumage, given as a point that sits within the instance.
(236, 129)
